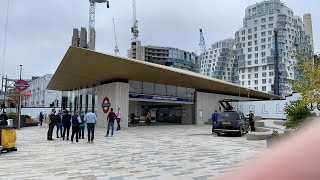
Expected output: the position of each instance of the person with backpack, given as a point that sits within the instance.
(66, 122)
(82, 125)
(75, 126)
(110, 119)
(51, 121)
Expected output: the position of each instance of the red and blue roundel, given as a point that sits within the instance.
(105, 105)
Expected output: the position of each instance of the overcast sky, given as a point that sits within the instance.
(40, 31)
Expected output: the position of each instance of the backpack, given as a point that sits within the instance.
(75, 121)
(82, 118)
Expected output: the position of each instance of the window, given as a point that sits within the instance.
(249, 49)
(242, 83)
(243, 44)
(264, 88)
(271, 67)
(270, 25)
(255, 21)
(256, 28)
(256, 69)
(263, 20)
(270, 74)
(256, 82)
(211, 52)
(250, 30)
(263, 34)
(249, 69)
(263, 54)
(264, 81)
(263, 40)
(270, 80)
(269, 39)
(249, 76)
(256, 75)
(264, 68)
(210, 56)
(243, 32)
(256, 42)
(250, 43)
(256, 61)
(269, 33)
(243, 76)
(256, 55)
(263, 27)
(255, 88)
(256, 48)
(242, 70)
(249, 63)
(255, 36)
(269, 45)
(249, 37)
(249, 56)
(249, 82)
(270, 18)
(263, 60)
(243, 38)
(264, 74)
(263, 46)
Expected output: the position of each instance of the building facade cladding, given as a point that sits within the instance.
(40, 96)
(219, 61)
(166, 56)
(255, 46)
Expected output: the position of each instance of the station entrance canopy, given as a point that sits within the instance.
(82, 68)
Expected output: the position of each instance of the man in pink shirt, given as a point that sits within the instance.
(119, 117)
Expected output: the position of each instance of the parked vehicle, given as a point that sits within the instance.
(232, 122)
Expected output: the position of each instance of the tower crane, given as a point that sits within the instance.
(116, 48)
(134, 28)
(92, 20)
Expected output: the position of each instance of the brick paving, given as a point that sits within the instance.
(155, 152)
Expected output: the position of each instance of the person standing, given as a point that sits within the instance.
(66, 121)
(214, 119)
(110, 119)
(119, 119)
(41, 118)
(59, 125)
(148, 118)
(51, 123)
(132, 116)
(75, 126)
(251, 121)
(91, 120)
(82, 125)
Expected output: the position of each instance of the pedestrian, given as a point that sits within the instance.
(82, 125)
(251, 121)
(66, 122)
(59, 123)
(41, 116)
(4, 116)
(132, 116)
(214, 119)
(119, 119)
(110, 119)
(51, 121)
(148, 118)
(75, 126)
(91, 120)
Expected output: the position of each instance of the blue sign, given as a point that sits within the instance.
(161, 98)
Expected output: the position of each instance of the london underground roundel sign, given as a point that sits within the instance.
(105, 105)
(21, 85)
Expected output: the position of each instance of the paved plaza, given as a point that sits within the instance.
(155, 152)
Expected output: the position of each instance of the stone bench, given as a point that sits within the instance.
(260, 134)
(259, 124)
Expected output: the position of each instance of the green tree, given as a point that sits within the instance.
(297, 114)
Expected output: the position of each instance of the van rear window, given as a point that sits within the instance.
(227, 116)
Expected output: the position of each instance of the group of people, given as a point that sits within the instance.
(78, 122)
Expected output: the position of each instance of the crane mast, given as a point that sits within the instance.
(134, 28)
(116, 48)
(202, 45)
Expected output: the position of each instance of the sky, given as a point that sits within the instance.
(39, 32)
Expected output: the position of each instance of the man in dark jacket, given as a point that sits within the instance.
(59, 125)
(51, 124)
(66, 122)
(41, 116)
(76, 120)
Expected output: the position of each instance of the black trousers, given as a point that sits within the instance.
(118, 123)
(50, 131)
(252, 125)
(66, 128)
(75, 132)
(213, 126)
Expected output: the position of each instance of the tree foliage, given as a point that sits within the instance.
(14, 97)
(297, 113)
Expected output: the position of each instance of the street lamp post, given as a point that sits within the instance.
(19, 123)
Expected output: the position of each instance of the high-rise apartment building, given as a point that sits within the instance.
(219, 60)
(255, 45)
(166, 56)
(80, 39)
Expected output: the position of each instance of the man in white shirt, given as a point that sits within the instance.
(119, 119)
(91, 120)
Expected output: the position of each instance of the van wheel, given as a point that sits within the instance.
(218, 133)
(240, 132)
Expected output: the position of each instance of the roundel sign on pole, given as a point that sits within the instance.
(105, 105)
(21, 85)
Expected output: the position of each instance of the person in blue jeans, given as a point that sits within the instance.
(91, 120)
(59, 123)
(82, 125)
(214, 120)
(110, 119)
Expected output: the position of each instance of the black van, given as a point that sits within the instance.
(231, 122)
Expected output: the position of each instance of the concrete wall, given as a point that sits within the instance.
(187, 114)
(207, 103)
(118, 94)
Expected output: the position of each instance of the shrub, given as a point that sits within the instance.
(13, 115)
(297, 113)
